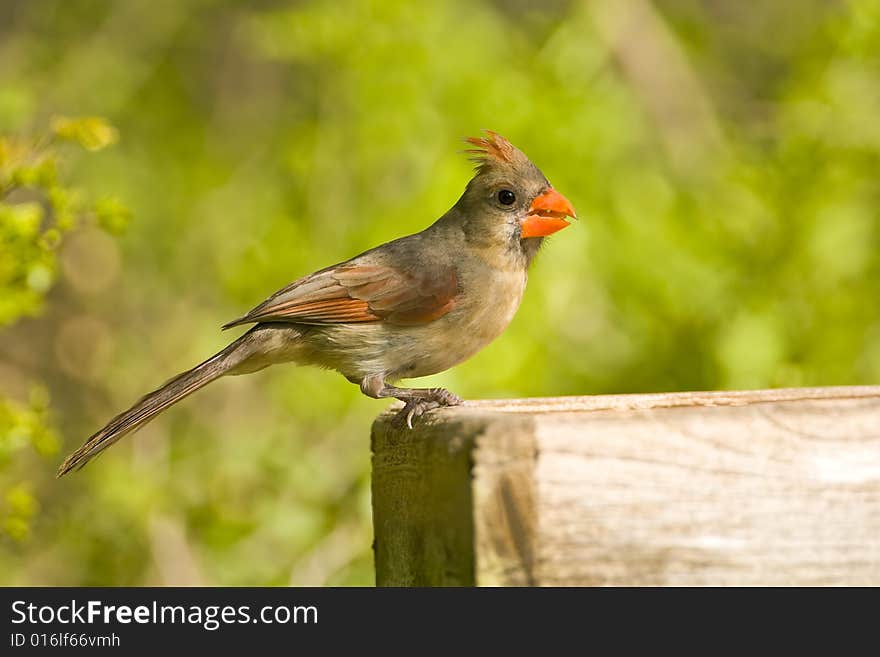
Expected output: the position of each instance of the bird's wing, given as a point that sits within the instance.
(353, 293)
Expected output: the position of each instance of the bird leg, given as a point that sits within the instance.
(416, 400)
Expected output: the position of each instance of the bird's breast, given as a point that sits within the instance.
(492, 302)
(485, 306)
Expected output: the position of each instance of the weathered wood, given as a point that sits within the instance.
(772, 487)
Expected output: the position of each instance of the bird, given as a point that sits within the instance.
(412, 307)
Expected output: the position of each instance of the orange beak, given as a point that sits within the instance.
(547, 215)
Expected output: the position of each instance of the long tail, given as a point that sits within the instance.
(157, 401)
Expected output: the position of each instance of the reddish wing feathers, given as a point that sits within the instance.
(361, 293)
(403, 298)
(328, 311)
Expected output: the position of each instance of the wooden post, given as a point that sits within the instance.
(770, 487)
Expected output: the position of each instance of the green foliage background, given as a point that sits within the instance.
(723, 157)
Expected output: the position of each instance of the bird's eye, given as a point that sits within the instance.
(506, 197)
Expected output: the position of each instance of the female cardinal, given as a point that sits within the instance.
(409, 308)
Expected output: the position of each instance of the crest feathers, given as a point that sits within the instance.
(492, 147)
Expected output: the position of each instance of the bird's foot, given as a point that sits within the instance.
(417, 406)
(412, 409)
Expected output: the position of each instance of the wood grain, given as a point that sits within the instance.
(775, 487)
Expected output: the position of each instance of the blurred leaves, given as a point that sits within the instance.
(722, 157)
(20, 508)
(37, 209)
(92, 133)
(23, 426)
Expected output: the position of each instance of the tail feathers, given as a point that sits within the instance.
(151, 405)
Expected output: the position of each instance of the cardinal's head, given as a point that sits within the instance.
(509, 198)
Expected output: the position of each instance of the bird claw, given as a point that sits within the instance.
(415, 408)
(446, 398)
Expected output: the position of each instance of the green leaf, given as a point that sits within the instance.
(111, 214)
(91, 132)
(21, 220)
